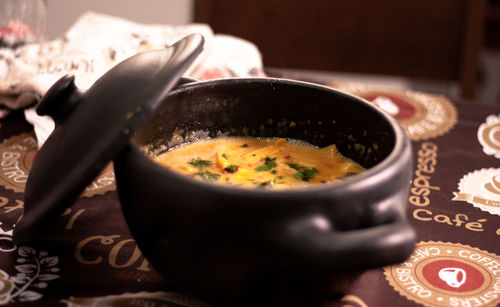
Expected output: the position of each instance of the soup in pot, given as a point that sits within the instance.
(259, 162)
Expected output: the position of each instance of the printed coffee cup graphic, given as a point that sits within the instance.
(393, 106)
(481, 188)
(447, 274)
(488, 135)
(422, 115)
(454, 277)
(494, 185)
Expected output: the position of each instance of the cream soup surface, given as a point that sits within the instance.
(259, 162)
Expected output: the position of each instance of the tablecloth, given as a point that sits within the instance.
(87, 256)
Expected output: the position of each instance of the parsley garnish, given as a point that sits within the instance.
(209, 176)
(199, 163)
(231, 168)
(269, 162)
(303, 173)
(225, 156)
(244, 145)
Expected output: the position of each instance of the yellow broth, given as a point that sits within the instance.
(259, 162)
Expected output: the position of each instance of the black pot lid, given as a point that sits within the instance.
(95, 126)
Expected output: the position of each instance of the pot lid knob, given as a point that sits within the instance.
(93, 127)
(60, 99)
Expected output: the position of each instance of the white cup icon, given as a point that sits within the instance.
(454, 277)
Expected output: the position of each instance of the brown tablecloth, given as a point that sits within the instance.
(87, 256)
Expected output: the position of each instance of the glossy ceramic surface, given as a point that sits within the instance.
(92, 127)
(230, 245)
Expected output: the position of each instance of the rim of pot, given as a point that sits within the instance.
(381, 170)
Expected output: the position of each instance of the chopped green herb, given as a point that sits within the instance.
(269, 164)
(209, 176)
(307, 174)
(225, 156)
(303, 173)
(231, 168)
(244, 145)
(199, 163)
(274, 172)
(263, 168)
(270, 161)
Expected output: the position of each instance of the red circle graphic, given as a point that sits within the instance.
(453, 275)
(405, 109)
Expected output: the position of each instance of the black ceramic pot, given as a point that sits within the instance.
(230, 245)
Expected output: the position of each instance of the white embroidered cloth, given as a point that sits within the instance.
(97, 42)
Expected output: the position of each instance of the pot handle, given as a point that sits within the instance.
(313, 238)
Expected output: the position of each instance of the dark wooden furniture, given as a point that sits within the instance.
(436, 40)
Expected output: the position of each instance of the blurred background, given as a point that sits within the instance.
(449, 47)
(63, 13)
